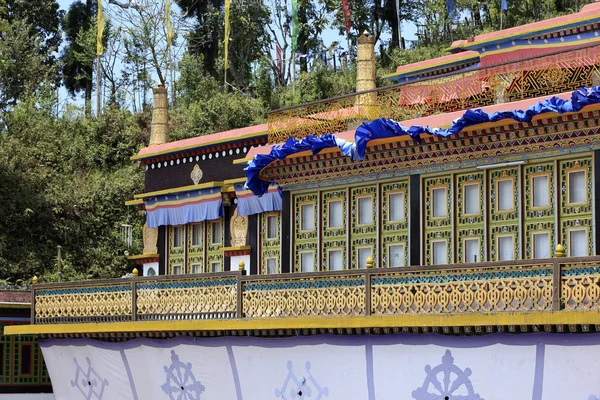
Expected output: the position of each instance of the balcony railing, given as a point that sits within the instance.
(527, 78)
(494, 287)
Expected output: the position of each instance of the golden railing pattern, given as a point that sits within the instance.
(91, 302)
(526, 288)
(514, 286)
(187, 298)
(529, 78)
(310, 296)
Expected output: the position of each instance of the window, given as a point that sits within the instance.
(506, 248)
(216, 232)
(363, 254)
(471, 250)
(307, 261)
(196, 235)
(215, 266)
(335, 217)
(271, 266)
(196, 268)
(177, 236)
(365, 210)
(307, 214)
(540, 191)
(541, 245)
(334, 260)
(440, 203)
(440, 253)
(25, 357)
(396, 255)
(471, 199)
(578, 243)
(272, 227)
(177, 270)
(577, 187)
(505, 195)
(396, 207)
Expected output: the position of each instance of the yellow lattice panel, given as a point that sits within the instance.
(300, 297)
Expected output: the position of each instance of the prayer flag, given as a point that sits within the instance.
(346, 7)
(169, 28)
(227, 7)
(99, 46)
(295, 26)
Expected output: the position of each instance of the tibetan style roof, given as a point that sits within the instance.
(207, 141)
(440, 65)
(447, 125)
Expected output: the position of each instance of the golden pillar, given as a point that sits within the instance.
(160, 116)
(365, 77)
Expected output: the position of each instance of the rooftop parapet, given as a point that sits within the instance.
(527, 78)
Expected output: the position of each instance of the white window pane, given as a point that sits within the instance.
(307, 262)
(335, 214)
(271, 227)
(271, 266)
(578, 243)
(506, 248)
(177, 236)
(177, 269)
(215, 267)
(196, 269)
(472, 250)
(216, 232)
(541, 245)
(363, 254)
(505, 195)
(540, 191)
(396, 254)
(471, 194)
(308, 217)
(577, 187)
(365, 211)
(440, 254)
(196, 235)
(396, 205)
(440, 202)
(335, 260)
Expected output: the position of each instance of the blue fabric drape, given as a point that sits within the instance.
(387, 128)
(249, 204)
(184, 208)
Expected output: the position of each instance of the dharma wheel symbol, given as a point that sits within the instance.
(446, 382)
(181, 384)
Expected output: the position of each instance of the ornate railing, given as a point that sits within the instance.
(494, 287)
(527, 78)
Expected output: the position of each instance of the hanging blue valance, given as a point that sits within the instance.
(387, 128)
(184, 208)
(249, 204)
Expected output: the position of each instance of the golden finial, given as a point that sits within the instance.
(242, 266)
(35, 280)
(135, 272)
(370, 263)
(560, 250)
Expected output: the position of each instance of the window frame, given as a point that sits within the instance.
(180, 266)
(549, 233)
(569, 172)
(267, 216)
(174, 233)
(266, 272)
(358, 249)
(389, 254)
(196, 265)
(341, 250)
(212, 264)
(212, 232)
(498, 237)
(432, 207)
(531, 201)
(31, 349)
(389, 210)
(464, 248)
(464, 205)
(512, 197)
(315, 266)
(329, 227)
(193, 226)
(587, 238)
(373, 218)
(445, 241)
(314, 223)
